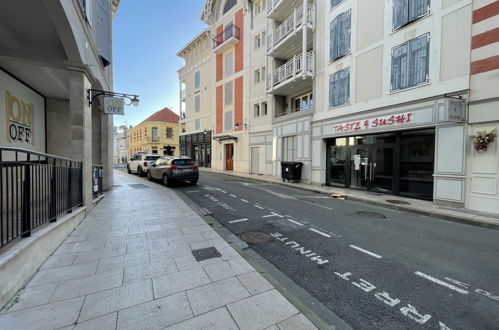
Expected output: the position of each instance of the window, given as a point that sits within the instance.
(411, 63)
(264, 37)
(197, 103)
(257, 110)
(257, 76)
(228, 121)
(86, 7)
(229, 64)
(228, 5)
(407, 11)
(264, 108)
(339, 88)
(228, 93)
(154, 134)
(197, 80)
(262, 70)
(258, 41)
(288, 148)
(197, 124)
(302, 102)
(339, 41)
(334, 3)
(169, 132)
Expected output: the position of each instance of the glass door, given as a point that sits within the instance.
(381, 168)
(359, 168)
(337, 161)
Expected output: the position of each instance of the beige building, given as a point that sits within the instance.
(196, 99)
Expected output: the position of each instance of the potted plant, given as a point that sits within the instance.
(482, 139)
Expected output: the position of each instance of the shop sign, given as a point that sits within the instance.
(454, 109)
(377, 122)
(114, 105)
(22, 114)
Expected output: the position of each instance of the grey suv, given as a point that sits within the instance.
(170, 169)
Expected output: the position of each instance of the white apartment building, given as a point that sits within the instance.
(120, 145)
(196, 99)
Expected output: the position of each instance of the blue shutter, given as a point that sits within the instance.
(345, 86)
(417, 8)
(104, 31)
(333, 39)
(334, 3)
(346, 28)
(400, 67)
(197, 80)
(419, 60)
(400, 13)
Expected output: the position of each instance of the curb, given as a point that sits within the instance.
(408, 209)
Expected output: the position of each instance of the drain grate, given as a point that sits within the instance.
(206, 253)
(399, 202)
(255, 237)
(374, 215)
(138, 186)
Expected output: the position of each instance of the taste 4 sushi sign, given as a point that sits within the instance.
(376, 122)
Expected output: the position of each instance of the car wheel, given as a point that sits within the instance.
(149, 177)
(194, 182)
(128, 169)
(166, 181)
(140, 172)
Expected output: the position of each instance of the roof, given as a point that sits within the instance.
(194, 41)
(165, 115)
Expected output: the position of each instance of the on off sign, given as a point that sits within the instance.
(114, 105)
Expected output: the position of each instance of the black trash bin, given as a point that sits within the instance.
(291, 171)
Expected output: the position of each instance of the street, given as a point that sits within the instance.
(380, 269)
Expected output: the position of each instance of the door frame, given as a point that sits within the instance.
(226, 147)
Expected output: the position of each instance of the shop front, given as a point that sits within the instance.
(198, 147)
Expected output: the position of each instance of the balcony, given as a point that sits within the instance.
(226, 39)
(278, 10)
(293, 75)
(287, 37)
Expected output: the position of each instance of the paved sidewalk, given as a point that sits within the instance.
(129, 265)
(408, 204)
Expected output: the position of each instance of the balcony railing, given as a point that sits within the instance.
(231, 33)
(290, 25)
(291, 69)
(35, 188)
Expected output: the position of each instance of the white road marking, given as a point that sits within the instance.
(232, 195)
(296, 222)
(411, 312)
(258, 207)
(319, 232)
(296, 246)
(243, 200)
(318, 205)
(223, 191)
(192, 191)
(366, 252)
(436, 280)
(461, 284)
(272, 214)
(238, 220)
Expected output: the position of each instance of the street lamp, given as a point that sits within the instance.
(93, 93)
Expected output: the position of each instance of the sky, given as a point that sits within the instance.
(147, 34)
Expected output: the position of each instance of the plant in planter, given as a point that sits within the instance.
(482, 139)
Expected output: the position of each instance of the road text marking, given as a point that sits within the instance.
(436, 280)
(365, 251)
(319, 232)
(238, 220)
(296, 222)
(301, 249)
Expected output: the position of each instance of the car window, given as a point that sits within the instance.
(152, 157)
(158, 161)
(183, 162)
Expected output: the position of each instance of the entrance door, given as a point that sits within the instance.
(382, 168)
(360, 168)
(229, 157)
(255, 160)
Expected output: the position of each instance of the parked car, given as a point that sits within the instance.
(140, 163)
(171, 169)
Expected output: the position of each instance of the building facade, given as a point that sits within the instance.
(195, 99)
(120, 145)
(158, 134)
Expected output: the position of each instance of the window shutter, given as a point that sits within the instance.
(346, 31)
(334, 39)
(228, 121)
(419, 60)
(197, 103)
(335, 3)
(345, 86)
(334, 90)
(400, 67)
(400, 13)
(104, 31)
(197, 80)
(418, 8)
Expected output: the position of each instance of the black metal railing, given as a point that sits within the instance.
(231, 31)
(35, 188)
(97, 175)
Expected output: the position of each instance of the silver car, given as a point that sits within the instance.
(170, 169)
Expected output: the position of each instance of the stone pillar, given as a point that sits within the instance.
(107, 149)
(80, 130)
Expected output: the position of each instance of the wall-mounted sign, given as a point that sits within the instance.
(376, 122)
(22, 115)
(454, 109)
(114, 105)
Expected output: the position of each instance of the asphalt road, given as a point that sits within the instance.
(402, 271)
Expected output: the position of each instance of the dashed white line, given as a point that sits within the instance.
(258, 207)
(319, 232)
(436, 280)
(372, 254)
(232, 195)
(243, 200)
(238, 220)
(223, 191)
(272, 214)
(295, 222)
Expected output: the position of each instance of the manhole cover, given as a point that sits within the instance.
(138, 186)
(255, 237)
(371, 214)
(206, 253)
(395, 201)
